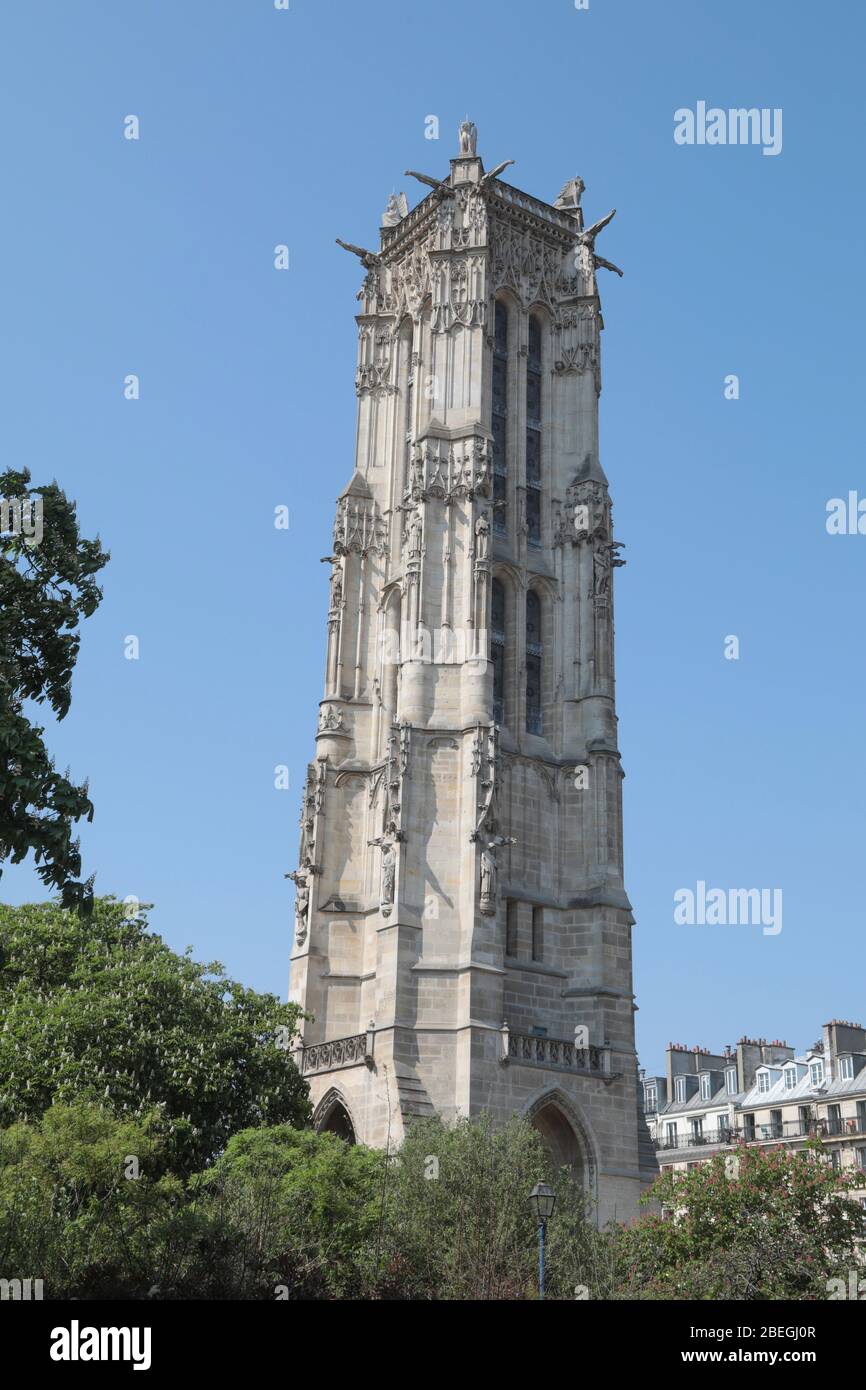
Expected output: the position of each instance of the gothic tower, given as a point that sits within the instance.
(462, 933)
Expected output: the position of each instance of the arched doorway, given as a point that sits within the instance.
(565, 1137)
(332, 1117)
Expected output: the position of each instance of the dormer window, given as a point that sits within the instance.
(680, 1090)
(731, 1081)
(705, 1086)
(846, 1068)
(790, 1075)
(650, 1099)
(763, 1081)
(816, 1072)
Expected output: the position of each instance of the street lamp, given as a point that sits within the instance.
(542, 1199)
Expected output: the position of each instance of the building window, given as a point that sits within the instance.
(835, 1160)
(749, 1126)
(731, 1081)
(533, 663)
(697, 1130)
(538, 933)
(705, 1086)
(860, 1159)
(763, 1081)
(790, 1078)
(500, 419)
(816, 1073)
(671, 1135)
(408, 422)
(846, 1068)
(497, 649)
(533, 434)
(776, 1129)
(680, 1089)
(511, 919)
(650, 1099)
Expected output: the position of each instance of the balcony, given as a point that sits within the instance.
(707, 1139)
(556, 1054)
(341, 1052)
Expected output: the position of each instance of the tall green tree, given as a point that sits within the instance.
(102, 1009)
(47, 585)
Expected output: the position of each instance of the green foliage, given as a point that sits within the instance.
(777, 1228)
(45, 590)
(104, 1010)
(291, 1210)
(282, 1213)
(70, 1214)
(459, 1224)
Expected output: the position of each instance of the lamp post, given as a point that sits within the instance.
(542, 1199)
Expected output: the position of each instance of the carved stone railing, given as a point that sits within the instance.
(340, 1052)
(537, 1050)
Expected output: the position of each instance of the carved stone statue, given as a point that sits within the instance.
(388, 876)
(604, 559)
(369, 259)
(586, 261)
(301, 879)
(489, 872)
(482, 537)
(468, 137)
(569, 198)
(396, 209)
(415, 532)
(336, 586)
(330, 718)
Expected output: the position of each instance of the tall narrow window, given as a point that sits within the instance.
(533, 435)
(497, 651)
(500, 421)
(408, 422)
(534, 653)
(511, 928)
(538, 933)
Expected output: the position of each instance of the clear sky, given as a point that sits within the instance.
(155, 257)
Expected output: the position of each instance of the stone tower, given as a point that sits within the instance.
(462, 934)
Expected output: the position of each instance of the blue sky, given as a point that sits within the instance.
(155, 257)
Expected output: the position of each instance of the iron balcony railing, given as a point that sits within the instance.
(695, 1141)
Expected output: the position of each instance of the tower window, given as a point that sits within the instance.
(500, 418)
(408, 422)
(538, 933)
(511, 928)
(533, 435)
(497, 650)
(534, 656)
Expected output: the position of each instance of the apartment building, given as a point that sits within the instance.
(761, 1092)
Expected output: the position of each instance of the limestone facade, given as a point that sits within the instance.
(463, 936)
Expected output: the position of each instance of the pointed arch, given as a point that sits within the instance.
(505, 589)
(332, 1115)
(566, 1134)
(539, 643)
(504, 318)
